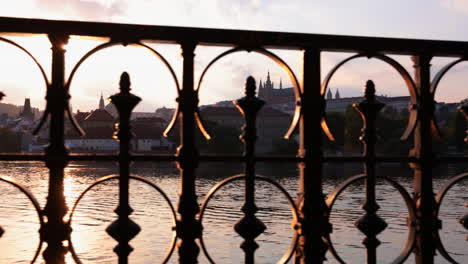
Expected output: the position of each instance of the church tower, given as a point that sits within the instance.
(267, 89)
(27, 112)
(329, 95)
(261, 92)
(337, 95)
(101, 103)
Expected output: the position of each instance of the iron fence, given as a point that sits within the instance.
(311, 211)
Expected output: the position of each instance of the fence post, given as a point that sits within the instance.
(312, 208)
(55, 230)
(188, 227)
(427, 222)
(371, 224)
(249, 226)
(124, 229)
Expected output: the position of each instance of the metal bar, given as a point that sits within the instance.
(313, 224)
(249, 226)
(188, 227)
(370, 223)
(228, 158)
(234, 37)
(55, 230)
(422, 184)
(124, 229)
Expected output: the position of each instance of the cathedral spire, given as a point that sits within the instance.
(101, 103)
(268, 85)
(337, 95)
(329, 95)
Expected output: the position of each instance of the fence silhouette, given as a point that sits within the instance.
(311, 211)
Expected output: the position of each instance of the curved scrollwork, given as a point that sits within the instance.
(439, 198)
(287, 255)
(115, 43)
(36, 205)
(404, 254)
(276, 59)
(438, 77)
(403, 73)
(140, 179)
(435, 83)
(44, 76)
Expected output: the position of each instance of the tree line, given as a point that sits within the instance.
(346, 128)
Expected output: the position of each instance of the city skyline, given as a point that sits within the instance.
(226, 79)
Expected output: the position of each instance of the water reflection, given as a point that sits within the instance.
(96, 211)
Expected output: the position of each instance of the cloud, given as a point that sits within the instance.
(81, 9)
(460, 6)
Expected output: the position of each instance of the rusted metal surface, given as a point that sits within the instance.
(427, 222)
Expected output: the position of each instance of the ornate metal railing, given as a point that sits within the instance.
(311, 212)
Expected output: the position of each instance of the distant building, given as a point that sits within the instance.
(284, 99)
(110, 108)
(98, 126)
(268, 93)
(338, 104)
(223, 115)
(165, 113)
(272, 124)
(99, 118)
(148, 134)
(26, 112)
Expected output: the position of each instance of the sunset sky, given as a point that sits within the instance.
(422, 19)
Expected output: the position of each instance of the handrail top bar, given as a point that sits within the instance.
(230, 37)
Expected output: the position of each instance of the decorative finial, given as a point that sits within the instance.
(124, 82)
(369, 90)
(124, 229)
(250, 87)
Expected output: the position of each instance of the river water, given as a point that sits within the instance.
(95, 212)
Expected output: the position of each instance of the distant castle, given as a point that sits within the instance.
(267, 92)
(284, 99)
